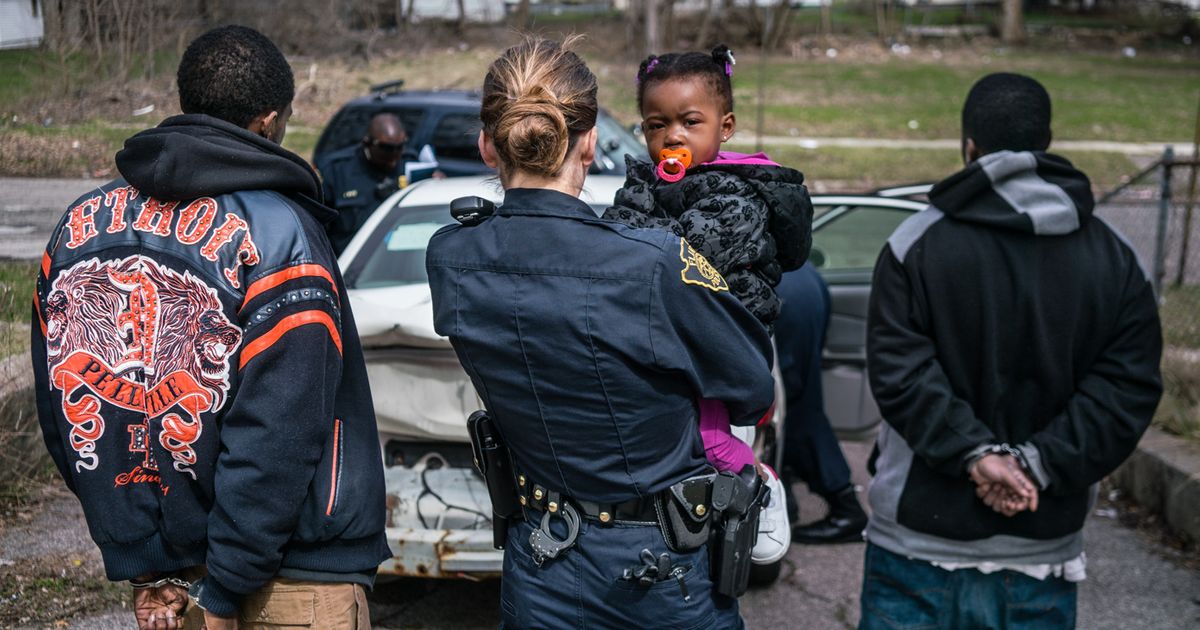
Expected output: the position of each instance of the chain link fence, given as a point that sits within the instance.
(1155, 211)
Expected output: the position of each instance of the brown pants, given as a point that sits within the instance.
(285, 603)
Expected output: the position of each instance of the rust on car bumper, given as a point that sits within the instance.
(442, 553)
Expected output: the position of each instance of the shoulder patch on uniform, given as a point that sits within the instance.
(697, 269)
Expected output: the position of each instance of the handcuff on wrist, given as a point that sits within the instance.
(1000, 449)
(174, 581)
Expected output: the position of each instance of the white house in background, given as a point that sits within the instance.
(478, 11)
(21, 24)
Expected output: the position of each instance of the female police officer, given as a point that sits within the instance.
(590, 343)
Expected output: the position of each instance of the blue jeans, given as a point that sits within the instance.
(582, 588)
(899, 592)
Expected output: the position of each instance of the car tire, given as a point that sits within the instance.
(763, 575)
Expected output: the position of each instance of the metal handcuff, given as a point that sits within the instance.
(174, 581)
(545, 545)
(1001, 449)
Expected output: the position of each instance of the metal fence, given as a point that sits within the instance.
(1154, 210)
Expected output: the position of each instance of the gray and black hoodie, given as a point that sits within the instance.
(1005, 313)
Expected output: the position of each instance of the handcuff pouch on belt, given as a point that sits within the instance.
(684, 513)
(737, 501)
(494, 462)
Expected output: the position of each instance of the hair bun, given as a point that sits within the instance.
(722, 54)
(533, 132)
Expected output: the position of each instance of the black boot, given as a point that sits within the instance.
(844, 523)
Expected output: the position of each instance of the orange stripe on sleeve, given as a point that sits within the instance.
(37, 308)
(337, 429)
(46, 265)
(296, 320)
(279, 277)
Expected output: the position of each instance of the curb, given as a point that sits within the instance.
(1163, 475)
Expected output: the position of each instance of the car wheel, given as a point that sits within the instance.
(762, 575)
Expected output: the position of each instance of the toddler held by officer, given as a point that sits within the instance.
(750, 217)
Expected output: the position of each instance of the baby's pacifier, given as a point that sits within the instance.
(672, 163)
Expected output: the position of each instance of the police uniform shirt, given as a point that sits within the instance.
(354, 187)
(590, 343)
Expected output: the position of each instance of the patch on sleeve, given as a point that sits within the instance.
(697, 269)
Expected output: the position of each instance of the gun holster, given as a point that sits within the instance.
(738, 500)
(495, 464)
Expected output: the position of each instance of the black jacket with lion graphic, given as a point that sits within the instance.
(200, 383)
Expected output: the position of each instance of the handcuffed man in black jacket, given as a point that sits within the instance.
(200, 383)
(1013, 346)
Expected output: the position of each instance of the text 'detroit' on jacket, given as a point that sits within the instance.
(199, 379)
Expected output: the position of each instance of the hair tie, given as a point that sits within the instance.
(723, 57)
(649, 68)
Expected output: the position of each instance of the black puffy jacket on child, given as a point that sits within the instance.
(750, 217)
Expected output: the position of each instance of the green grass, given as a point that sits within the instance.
(41, 73)
(1179, 411)
(868, 168)
(17, 278)
(1095, 96)
(1180, 313)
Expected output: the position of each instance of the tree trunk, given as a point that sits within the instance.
(779, 25)
(653, 34)
(1012, 29)
(462, 16)
(523, 15)
(703, 37)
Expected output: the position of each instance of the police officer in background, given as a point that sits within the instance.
(359, 177)
(590, 343)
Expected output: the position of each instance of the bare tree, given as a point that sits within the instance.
(653, 34)
(1012, 29)
(710, 13)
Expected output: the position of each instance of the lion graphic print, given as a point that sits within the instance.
(139, 336)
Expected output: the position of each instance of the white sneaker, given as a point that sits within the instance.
(774, 534)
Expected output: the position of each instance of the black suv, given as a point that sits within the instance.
(449, 121)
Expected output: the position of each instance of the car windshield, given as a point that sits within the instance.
(395, 252)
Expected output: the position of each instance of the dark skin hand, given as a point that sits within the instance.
(1002, 485)
(685, 113)
(160, 608)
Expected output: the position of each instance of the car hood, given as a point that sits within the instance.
(396, 316)
(418, 387)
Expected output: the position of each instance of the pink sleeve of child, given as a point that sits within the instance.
(724, 451)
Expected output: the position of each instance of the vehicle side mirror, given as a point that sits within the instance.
(816, 257)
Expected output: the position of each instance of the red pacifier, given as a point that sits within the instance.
(672, 163)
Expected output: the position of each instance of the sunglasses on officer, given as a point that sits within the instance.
(391, 147)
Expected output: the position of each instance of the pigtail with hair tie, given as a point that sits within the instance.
(646, 68)
(723, 57)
